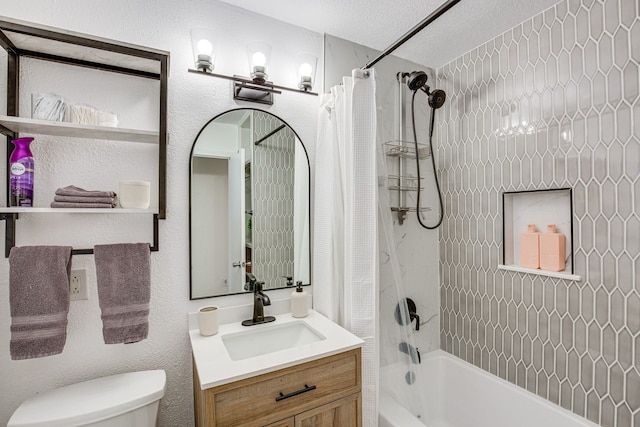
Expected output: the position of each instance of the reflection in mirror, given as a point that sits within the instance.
(249, 205)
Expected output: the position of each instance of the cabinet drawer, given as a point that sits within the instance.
(252, 402)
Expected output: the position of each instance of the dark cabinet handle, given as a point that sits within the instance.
(295, 393)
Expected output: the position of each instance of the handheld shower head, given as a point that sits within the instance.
(416, 79)
(437, 98)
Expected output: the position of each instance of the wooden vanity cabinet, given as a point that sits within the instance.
(321, 393)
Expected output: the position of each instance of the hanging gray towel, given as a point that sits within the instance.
(39, 300)
(123, 274)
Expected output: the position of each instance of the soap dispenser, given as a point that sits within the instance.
(299, 302)
(552, 247)
(530, 248)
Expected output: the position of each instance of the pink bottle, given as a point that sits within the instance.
(530, 248)
(552, 245)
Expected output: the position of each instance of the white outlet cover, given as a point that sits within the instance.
(79, 291)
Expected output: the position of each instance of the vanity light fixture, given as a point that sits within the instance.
(306, 69)
(255, 88)
(203, 43)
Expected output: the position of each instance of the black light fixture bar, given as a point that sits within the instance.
(261, 93)
(266, 86)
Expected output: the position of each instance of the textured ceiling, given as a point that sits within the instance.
(379, 23)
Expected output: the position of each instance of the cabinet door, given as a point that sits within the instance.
(289, 422)
(346, 412)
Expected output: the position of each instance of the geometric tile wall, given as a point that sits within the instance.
(272, 204)
(553, 102)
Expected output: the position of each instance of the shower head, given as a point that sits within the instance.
(416, 79)
(436, 98)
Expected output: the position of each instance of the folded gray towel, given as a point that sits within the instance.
(82, 205)
(39, 300)
(72, 190)
(79, 199)
(123, 273)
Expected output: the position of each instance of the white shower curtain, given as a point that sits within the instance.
(345, 268)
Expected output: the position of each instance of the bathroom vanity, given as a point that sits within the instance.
(289, 373)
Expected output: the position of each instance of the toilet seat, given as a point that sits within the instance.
(90, 401)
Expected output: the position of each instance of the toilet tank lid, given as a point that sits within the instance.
(91, 401)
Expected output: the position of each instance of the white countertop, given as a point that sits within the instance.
(215, 366)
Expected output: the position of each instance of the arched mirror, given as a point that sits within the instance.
(249, 205)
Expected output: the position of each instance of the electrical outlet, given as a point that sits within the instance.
(78, 285)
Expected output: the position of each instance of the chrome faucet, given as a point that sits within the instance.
(260, 299)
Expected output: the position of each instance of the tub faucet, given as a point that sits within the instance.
(410, 350)
(406, 312)
(414, 315)
(260, 299)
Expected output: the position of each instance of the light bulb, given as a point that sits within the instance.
(259, 59)
(305, 70)
(204, 47)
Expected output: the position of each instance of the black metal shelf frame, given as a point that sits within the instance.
(50, 37)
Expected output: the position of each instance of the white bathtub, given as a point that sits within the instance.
(458, 394)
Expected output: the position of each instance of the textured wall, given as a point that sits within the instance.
(551, 103)
(272, 226)
(193, 101)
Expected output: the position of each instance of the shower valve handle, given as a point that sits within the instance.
(413, 315)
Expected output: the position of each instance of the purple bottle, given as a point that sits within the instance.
(21, 173)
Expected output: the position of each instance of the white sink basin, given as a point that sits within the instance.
(269, 338)
(237, 352)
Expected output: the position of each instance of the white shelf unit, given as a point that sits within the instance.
(23, 39)
(43, 127)
(538, 272)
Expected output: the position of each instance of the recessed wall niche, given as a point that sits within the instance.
(539, 207)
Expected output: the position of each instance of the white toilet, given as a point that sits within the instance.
(124, 400)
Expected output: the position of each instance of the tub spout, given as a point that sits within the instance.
(410, 350)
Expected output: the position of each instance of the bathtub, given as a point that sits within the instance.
(458, 394)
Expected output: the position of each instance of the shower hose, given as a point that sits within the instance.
(433, 163)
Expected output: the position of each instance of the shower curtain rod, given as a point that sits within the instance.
(415, 30)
